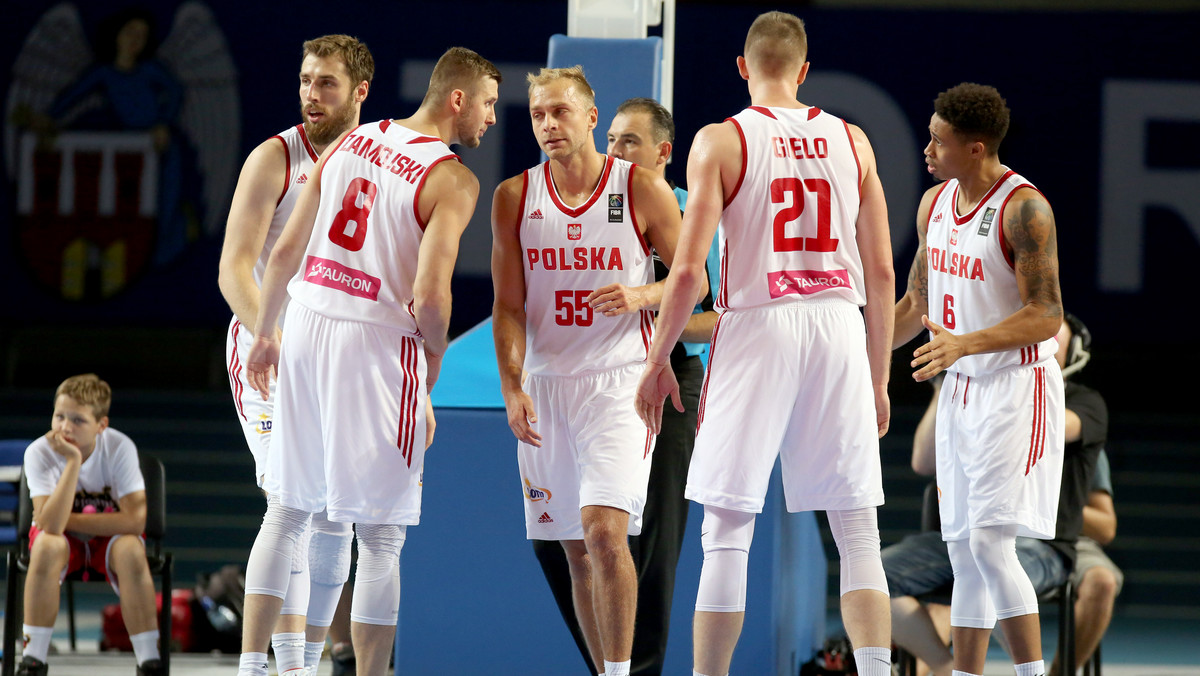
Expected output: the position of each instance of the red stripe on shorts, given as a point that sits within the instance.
(235, 372)
(712, 353)
(1038, 422)
(408, 400)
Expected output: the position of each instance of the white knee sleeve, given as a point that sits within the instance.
(856, 533)
(725, 535)
(377, 581)
(270, 565)
(329, 567)
(995, 552)
(295, 601)
(970, 605)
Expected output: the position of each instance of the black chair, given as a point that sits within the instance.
(1063, 595)
(161, 564)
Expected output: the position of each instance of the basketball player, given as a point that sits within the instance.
(335, 78)
(643, 132)
(793, 370)
(987, 269)
(375, 236)
(563, 233)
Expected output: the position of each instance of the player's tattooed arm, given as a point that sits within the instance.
(915, 301)
(1030, 232)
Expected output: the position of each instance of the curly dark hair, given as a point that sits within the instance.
(975, 111)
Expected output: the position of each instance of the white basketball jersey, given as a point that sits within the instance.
(361, 260)
(972, 285)
(301, 157)
(787, 232)
(568, 253)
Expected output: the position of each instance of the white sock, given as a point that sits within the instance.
(1037, 668)
(252, 664)
(956, 672)
(873, 661)
(145, 646)
(312, 652)
(697, 673)
(37, 645)
(289, 651)
(616, 668)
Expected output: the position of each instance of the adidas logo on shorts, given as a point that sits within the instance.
(545, 518)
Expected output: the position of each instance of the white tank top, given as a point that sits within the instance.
(361, 260)
(787, 232)
(972, 285)
(300, 158)
(568, 253)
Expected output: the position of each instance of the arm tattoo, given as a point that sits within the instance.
(918, 274)
(1035, 254)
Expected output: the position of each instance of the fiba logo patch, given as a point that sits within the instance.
(574, 231)
(986, 223)
(616, 207)
(536, 493)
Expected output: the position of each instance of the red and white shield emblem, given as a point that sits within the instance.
(574, 231)
(954, 236)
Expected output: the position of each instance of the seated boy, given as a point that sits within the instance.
(89, 510)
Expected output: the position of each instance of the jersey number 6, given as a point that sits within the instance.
(823, 242)
(349, 229)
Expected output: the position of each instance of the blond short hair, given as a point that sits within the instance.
(89, 390)
(360, 65)
(458, 68)
(776, 43)
(572, 73)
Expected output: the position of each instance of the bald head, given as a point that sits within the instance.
(776, 45)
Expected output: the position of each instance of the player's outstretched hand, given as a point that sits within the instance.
(938, 354)
(658, 381)
(616, 299)
(522, 418)
(261, 363)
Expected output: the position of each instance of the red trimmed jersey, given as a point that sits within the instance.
(361, 260)
(300, 158)
(569, 252)
(787, 233)
(972, 285)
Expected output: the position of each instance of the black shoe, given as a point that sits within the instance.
(343, 662)
(32, 666)
(153, 667)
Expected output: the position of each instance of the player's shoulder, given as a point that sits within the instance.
(511, 187)
(925, 206)
(272, 152)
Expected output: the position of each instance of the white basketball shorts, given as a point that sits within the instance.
(254, 414)
(349, 420)
(788, 381)
(595, 451)
(1000, 450)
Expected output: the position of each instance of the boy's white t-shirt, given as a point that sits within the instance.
(110, 473)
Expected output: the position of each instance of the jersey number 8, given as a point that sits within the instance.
(349, 229)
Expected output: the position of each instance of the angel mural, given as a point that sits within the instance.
(121, 150)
